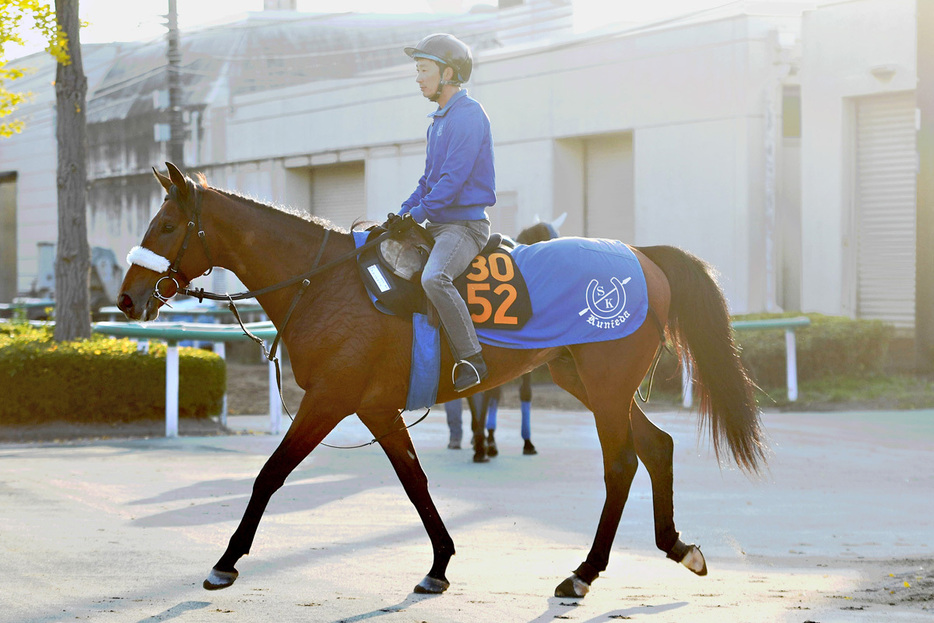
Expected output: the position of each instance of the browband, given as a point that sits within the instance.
(147, 259)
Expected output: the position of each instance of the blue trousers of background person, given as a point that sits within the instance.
(455, 410)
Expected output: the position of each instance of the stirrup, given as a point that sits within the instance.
(454, 375)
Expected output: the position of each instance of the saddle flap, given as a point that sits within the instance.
(492, 285)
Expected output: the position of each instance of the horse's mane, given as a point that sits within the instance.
(280, 209)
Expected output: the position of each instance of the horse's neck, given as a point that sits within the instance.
(261, 247)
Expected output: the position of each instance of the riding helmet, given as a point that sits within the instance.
(447, 50)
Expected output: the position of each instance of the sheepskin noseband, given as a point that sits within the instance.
(147, 259)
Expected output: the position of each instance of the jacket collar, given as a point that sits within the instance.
(451, 102)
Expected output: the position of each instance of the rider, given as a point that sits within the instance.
(454, 193)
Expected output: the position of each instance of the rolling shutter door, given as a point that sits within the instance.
(338, 193)
(886, 164)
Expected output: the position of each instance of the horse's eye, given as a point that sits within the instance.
(168, 227)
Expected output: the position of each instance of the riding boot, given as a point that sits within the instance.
(469, 372)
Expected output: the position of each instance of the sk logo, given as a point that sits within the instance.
(603, 303)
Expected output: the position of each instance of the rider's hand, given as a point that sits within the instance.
(395, 223)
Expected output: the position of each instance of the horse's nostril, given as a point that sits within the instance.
(125, 303)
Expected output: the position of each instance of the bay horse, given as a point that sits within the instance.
(351, 359)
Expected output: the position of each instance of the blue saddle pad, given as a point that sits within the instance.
(581, 290)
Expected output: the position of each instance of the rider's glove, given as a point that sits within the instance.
(398, 224)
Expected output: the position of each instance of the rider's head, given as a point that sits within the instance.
(441, 61)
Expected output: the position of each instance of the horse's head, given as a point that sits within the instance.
(168, 257)
(540, 232)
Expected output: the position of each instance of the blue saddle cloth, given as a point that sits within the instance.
(581, 289)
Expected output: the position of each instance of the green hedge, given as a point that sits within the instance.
(831, 346)
(100, 380)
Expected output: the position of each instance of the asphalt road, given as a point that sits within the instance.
(839, 529)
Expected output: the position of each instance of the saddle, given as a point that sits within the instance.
(494, 289)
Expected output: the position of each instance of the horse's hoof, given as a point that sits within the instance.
(572, 587)
(694, 560)
(218, 579)
(480, 458)
(431, 586)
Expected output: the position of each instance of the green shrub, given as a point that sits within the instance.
(831, 347)
(98, 380)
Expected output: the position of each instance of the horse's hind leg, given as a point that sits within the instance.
(478, 403)
(564, 373)
(301, 438)
(397, 444)
(605, 376)
(656, 450)
(609, 375)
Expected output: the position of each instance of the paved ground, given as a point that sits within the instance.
(840, 529)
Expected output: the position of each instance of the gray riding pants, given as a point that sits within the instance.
(456, 245)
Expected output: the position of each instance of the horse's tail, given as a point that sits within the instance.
(699, 325)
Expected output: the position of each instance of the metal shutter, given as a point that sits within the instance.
(338, 193)
(886, 164)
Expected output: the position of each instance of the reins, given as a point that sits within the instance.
(195, 195)
(381, 437)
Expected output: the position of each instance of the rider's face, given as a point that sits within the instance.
(428, 76)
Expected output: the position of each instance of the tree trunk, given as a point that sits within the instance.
(73, 261)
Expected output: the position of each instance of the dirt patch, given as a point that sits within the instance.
(899, 582)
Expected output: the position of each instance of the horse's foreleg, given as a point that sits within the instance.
(656, 450)
(619, 465)
(397, 444)
(302, 437)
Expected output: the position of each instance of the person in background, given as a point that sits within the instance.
(455, 412)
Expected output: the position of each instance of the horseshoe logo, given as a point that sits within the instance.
(604, 303)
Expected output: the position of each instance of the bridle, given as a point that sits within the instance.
(192, 208)
(149, 259)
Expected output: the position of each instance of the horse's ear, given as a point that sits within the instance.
(558, 222)
(163, 180)
(177, 178)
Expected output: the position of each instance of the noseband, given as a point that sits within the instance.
(155, 262)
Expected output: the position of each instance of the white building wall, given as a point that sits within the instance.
(33, 156)
(850, 50)
(693, 98)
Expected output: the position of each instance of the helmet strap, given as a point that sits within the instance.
(443, 83)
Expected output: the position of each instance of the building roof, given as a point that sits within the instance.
(271, 50)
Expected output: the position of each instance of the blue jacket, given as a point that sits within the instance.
(459, 183)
